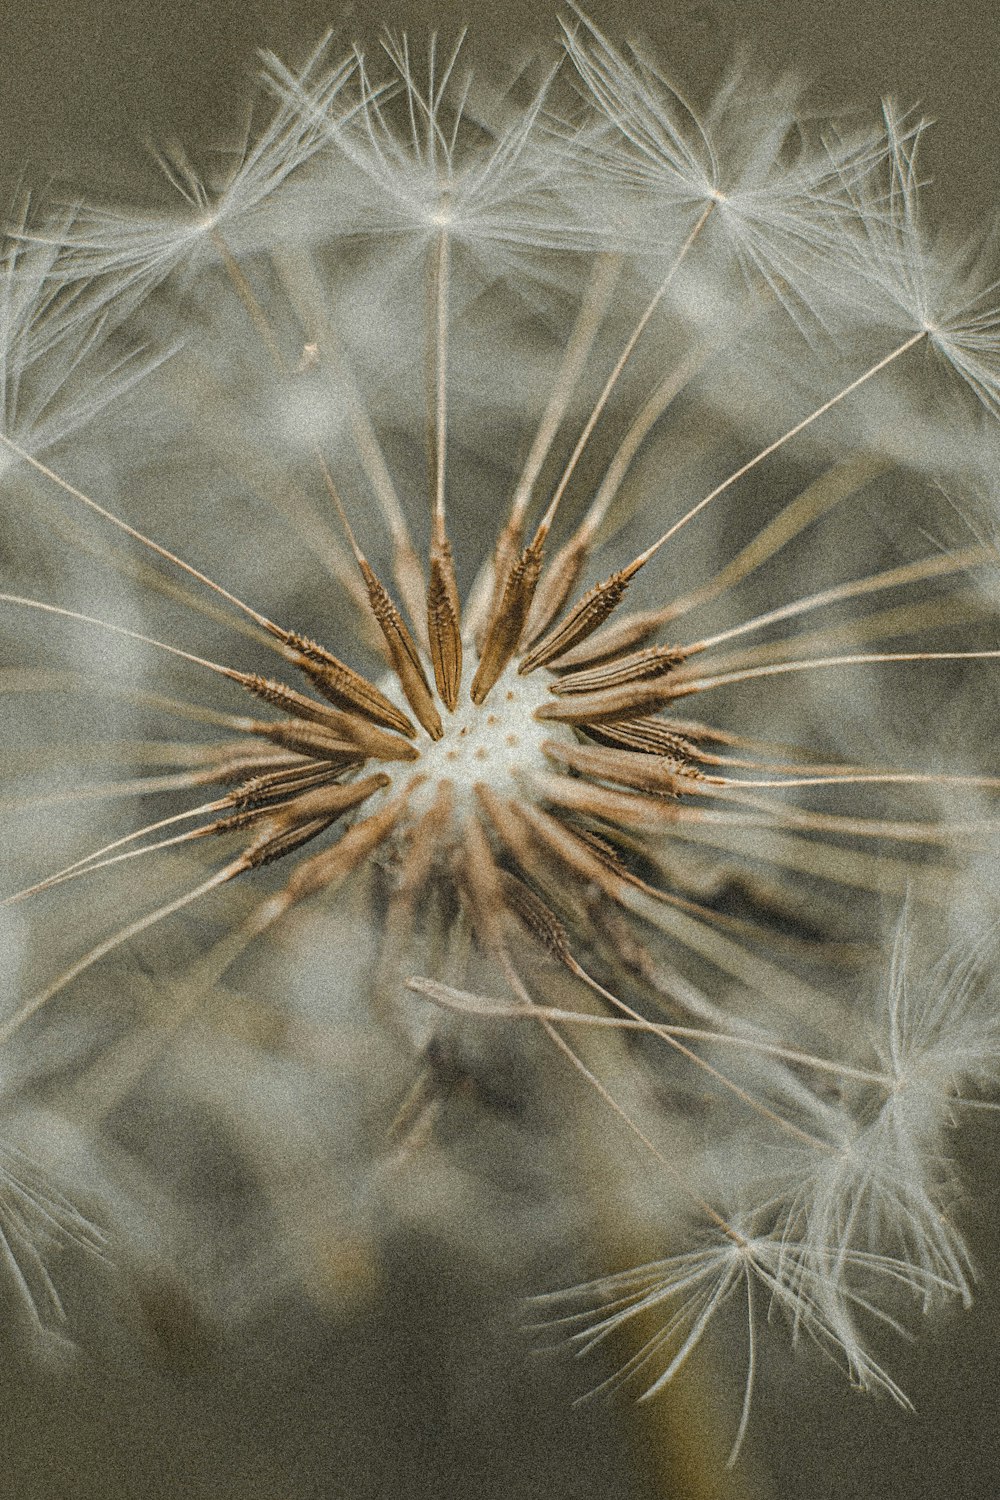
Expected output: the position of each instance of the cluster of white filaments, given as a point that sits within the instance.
(512, 770)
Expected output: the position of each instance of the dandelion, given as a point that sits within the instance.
(101, 241)
(689, 1290)
(426, 786)
(856, 1207)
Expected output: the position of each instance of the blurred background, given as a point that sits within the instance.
(429, 1387)
(85, 81)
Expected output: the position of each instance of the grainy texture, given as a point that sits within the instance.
(409, 1351)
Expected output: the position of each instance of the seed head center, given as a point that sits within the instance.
(494, 743)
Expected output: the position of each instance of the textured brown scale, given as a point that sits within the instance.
(425, 842)
(244, 817)
(594, 860)
(605, 852)
(629, 809)
(648, 736)
(302, 805)
(345, 729)
(611, 857)
(405, 657)
(261, 790)
(597, 874)
(532, 857)
(378, 743)
(344, 687)
(644, 773)
(239, 766)
(583, 619)
(505, 554)
(308, 739)
(623, 702)
(572, 847)
(503, 633)
(524, 903)
(408, 572)
(333, 865)
(558, 583)
(444, 624)
(523, 828)
(516, 839)
(545, 926)
(280, 696)
(330, 800)
(623, 635)
(270, 847)
(533, 913)
(641, 666)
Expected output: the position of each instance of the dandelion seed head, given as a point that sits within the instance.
(497, 744)
(518, 680)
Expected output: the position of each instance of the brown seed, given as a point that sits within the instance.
(583, 619)
(344, 687)
(503, 633)
(404, 654)
(444, 624)
(640, 666)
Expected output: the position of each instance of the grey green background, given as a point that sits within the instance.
(433, 1392)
